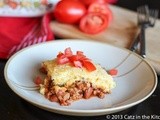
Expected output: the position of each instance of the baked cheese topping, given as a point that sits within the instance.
(66, 75)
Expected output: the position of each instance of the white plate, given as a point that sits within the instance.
(31, 11)
(136, 79)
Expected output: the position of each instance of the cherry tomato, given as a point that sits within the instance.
(101, 8)
(93, 23)
(69, 11)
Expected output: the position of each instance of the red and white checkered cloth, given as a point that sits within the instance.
(17, 33)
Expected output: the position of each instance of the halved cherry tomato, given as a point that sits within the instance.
(93, 23)
(89, 66)
(101, 8)
(69, 11)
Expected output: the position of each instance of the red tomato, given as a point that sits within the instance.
(60, 54)
(112, 1)
(113, 72)
(73, 58)
(77, 64)
(101, 8)
(88, 2)
(68, 52)
(38, 80)
(78, 60)
(93, 23)
(80, 53)
(89, 66)
(62, 59)
(69, 11)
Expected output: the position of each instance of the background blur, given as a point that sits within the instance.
(133, 4)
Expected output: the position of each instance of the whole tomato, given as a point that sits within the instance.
(69, 11)
(88, 2)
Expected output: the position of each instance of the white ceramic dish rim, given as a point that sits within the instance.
(23, 12)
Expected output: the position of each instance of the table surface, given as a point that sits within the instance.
(12, 107)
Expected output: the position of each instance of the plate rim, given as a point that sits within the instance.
(15, 13)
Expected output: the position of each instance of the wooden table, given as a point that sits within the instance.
(121, 32)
